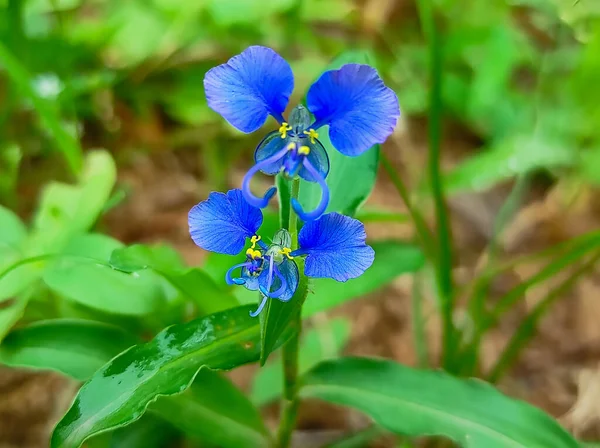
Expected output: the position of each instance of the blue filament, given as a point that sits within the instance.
(317, 212)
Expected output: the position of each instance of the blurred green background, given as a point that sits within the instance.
(127, 76)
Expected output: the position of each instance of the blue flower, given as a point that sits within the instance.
(334, 246)
(353, 101)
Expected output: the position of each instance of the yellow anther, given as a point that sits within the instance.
(304, 150)
(284, 129)
(254, 240)
(312, 134)
(291, 146)
(255, 254)
(286, 251)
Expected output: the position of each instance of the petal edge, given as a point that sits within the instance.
(359, 108)
(249, 87)
(222, 222)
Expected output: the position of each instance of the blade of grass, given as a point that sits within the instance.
(507, 301)
(65, 142)
(423, 232)
(528, 327)
(444, 240)
(476, 301)
(585, 244)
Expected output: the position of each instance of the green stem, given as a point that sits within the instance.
(290, 403)
(423, 232)
(293, 218)
(444, 259)
(481, 286)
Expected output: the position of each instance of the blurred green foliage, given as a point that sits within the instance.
(517, 73)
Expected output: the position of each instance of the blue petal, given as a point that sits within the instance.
(318, 159)
(269, 146)
(249, 87)
(223, 222)
(335, 247)
(289, 270)
(359, 109)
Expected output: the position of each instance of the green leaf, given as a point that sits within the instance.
(511, 157)
(278, 316)
(98, 286)
(12, 235)
(76, 348)
(215, 412)
(67, 210)
(94, 245)
(120, 392)
(97, 182)
(147, 432)
(139, 257)
(416, 402)
(202, 290)
(194, 284)
(11, 311)
(350, 179)
(391, 259)
(318, 344)
(13, 231)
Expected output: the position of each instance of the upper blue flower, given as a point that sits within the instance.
(334, 246)
(353, 101)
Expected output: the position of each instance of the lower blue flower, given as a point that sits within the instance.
(334, 246)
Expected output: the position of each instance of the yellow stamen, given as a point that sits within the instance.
(304, 150)
(291, 146)
(255, 254)
(284, 128)
(312, 134)
(286, 251)
(254, 240)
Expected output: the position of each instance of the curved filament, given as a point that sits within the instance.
(236, 281)
(260, 307)
(277, 294)
(279, 291)
(317, 212)
(248, 195)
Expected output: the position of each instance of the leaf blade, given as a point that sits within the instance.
(74, 347)
(121, 391)
(417, 402)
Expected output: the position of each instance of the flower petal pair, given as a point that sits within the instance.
(353, 100)
(334, 245)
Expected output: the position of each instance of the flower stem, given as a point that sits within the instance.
(290, 402)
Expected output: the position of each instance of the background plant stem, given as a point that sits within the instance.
(290, 402)
(444, 241)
